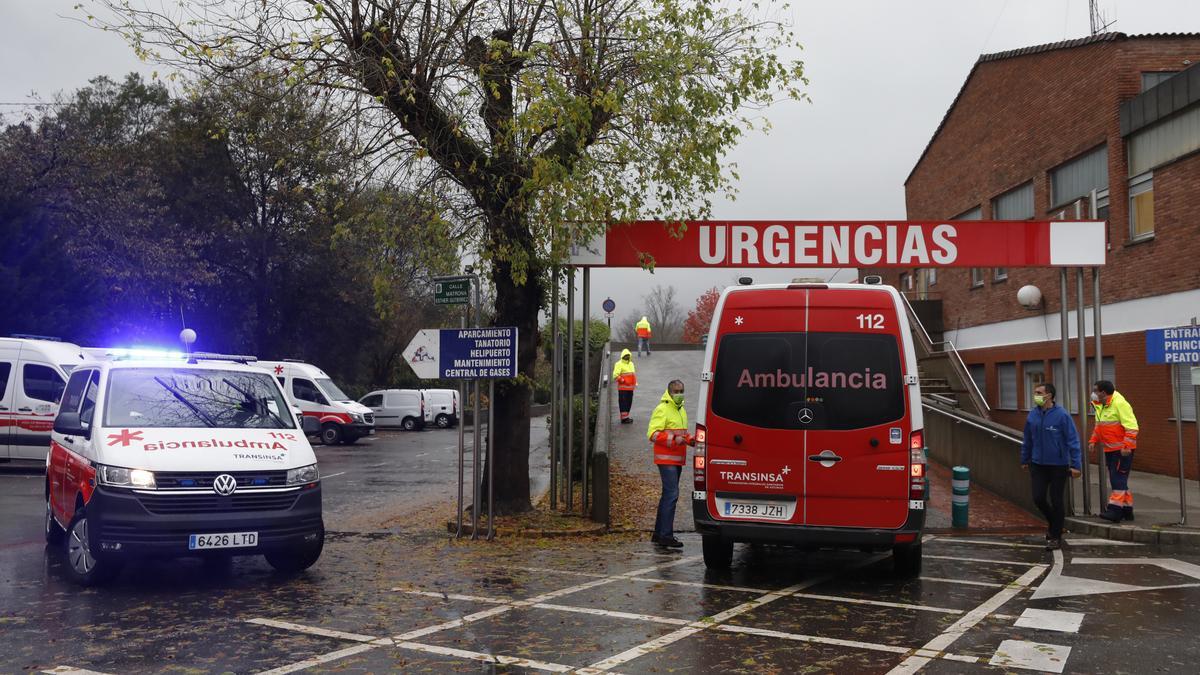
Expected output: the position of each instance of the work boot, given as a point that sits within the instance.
(1126, 513)
(670, 542)
(1113, 513)
(1053, 544)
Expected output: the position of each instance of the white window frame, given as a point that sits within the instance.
(1140, 185)
(1000, 274)
(1004, 402)
(976, 277)
(1186, 393)
(930, 277)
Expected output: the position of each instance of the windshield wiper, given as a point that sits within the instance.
(183, 399)
(259, 402)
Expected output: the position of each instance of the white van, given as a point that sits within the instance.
(441, 407)
(402, 408)
(810, 430)
(309, 388)
(33, 372)
(168, 457)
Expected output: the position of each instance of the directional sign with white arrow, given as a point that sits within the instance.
(463, 353)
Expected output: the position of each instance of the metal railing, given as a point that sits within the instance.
(956, 361)
(933, 405)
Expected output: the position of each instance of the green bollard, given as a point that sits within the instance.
(960, 497)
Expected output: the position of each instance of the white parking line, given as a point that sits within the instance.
(487, 658)
(854, 644)
(454, 596)
(342, 473)
(964, 582)
(313, 630)
(989, 561)
(71, 670)
(318, 660)
(995, 542)
(879, 603)
(939, 644)
(613, 614)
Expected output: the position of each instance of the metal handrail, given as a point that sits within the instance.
(957, 417)
(963, 373)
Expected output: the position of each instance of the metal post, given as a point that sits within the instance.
(1081, 358)
(475, 463)
(491, 468)
(587, 391)
(1179, 442)
(1101, 467)
(554, 388)
(1196, 408)
(462, 397)
(1065, 323)
(569, 440)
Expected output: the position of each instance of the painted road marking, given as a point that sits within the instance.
(984, 542)
(71, 670)
(318, 660)
(1187, 569)
(1059, 585)
(1049, 619)
(989, 561)
(314, 630)
(854, 644)
(342, 473)
(454, 596)
(1101, 542)
(487, 658)
(914, 663)
(1031, 656)
(964, 582)
(614, 614)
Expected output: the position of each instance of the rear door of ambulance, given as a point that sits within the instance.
(754, 445)
(857, 442)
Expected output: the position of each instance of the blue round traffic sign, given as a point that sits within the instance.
(609, 305)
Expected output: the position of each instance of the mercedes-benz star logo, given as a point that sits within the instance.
(806, 415)
(224, 484)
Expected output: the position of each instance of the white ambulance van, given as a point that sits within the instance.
(33, 372)
(172, 457)
(397, 408)
(810, 430)
(342, 419)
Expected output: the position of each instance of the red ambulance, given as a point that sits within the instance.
(810, 426)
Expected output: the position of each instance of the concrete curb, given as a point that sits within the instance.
(597, 528)
(1156, 535)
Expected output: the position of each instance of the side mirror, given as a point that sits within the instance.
(69, 424)
(312, 426)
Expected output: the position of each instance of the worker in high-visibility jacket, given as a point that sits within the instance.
(643, 334)
(625, 375)
(668, 431)
(1117, 431)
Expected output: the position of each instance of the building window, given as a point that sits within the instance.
(976, 277)
(1078, 177)
(930, 274)
(905, 284)
(1187, 393)
(1006, 376)
(1164, 141)
(1001, 274)
(1141, 207)
(1101, 205)
(1035, 374)
(978, 373)
(1067, 396)
(975, 213)
(1016, 204)
(1152, 80)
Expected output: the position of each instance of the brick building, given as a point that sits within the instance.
(1037, 133)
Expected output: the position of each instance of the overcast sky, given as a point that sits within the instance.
(882, 75)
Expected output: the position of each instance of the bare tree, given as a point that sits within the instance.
(665, 313)
(533, 121)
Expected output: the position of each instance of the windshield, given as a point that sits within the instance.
(190, 398)
(835, 381)
(331, 390)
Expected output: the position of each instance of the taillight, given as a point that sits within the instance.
(916, 460)
(699, 459)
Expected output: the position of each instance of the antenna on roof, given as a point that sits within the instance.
(1099, 23)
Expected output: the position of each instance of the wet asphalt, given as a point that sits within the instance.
(405, 598)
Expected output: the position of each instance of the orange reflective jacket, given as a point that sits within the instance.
(1116, 427)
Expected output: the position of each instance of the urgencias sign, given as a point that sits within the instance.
(967, 243)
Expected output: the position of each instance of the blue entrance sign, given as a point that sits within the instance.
(1173, 345)
(471, 353)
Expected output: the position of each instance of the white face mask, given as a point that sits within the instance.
(1095, 397)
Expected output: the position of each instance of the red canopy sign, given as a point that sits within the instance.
(743, 243)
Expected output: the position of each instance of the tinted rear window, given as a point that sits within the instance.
(845, 380)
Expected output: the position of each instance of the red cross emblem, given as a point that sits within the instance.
(125, 437)
(278, 370)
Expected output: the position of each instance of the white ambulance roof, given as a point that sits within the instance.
(61, 353)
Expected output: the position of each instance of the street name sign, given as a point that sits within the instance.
(1173, 345)
(452, 291)
(463, 353)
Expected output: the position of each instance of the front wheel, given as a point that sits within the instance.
(443, 421)
(83, 566)
(331, 434)
(718, 554)
(409, 424)
(906, 560)
(293, 560)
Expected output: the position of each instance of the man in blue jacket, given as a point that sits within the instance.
(1050, 452)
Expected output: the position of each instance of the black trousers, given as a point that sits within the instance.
(624, 402)
(1050, 481)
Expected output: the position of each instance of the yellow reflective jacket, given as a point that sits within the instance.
(643, 328)
(1116, 427)
(624, 374)
(672, 419)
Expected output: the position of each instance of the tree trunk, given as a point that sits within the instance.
(516, 305)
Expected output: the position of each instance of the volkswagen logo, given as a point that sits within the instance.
(224, 484)
(806, 415)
